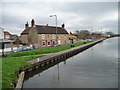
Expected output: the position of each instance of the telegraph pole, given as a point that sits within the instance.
(101, 32)
(91, 31)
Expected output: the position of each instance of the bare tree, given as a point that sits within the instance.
(109, 33)
(83, 34)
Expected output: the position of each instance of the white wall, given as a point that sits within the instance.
(1, 33)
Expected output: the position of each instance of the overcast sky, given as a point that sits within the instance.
(75, 15)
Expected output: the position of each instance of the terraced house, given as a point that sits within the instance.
(43, 35)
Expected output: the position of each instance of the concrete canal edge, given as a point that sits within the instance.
(51, 59)
(20, 80)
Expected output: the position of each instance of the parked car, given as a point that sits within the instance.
(56, 45)
(23, 48)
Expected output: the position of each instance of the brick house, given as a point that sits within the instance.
(44, 35)
(7, 35)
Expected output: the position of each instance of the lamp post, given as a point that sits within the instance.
(56, 26)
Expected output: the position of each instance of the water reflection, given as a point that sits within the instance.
(42, 69)
(58, 72)
(95, 67)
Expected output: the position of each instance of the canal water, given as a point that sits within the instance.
(96, 67)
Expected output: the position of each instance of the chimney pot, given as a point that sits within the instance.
(32, 23)
(63, 25)
(26, 25)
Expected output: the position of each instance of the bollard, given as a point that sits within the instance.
(38, 59)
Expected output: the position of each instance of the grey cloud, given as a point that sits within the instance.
(73, 14)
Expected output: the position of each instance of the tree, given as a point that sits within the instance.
(83, 34)
(109, 33)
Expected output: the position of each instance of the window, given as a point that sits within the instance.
(53, 36)
(64, 41)
(48, 43)
(7, 36)
(43, 43)
(58, 41)
(43, 36)
(59, 36)
(64, 36)
(53, 42)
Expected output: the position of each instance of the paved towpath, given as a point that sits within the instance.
(53, 54)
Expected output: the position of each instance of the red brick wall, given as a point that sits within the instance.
(7, 35)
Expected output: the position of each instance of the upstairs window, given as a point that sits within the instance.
(53, 36)
(58, 36)
(64, 36)
(43, 36)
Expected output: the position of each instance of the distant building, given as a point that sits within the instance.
(98, 36)
(5, 40)
(7, 35)
(15, 37)
(72, 38)
(107, 35)
(44, 35)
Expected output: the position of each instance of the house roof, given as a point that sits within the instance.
(6, 32)
(46, 30)
(26, 31)
(6, 41)
(72, 37)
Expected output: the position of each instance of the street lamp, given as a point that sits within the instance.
(56, 26)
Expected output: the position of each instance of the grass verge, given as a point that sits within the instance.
(45, 50)
(12, 65)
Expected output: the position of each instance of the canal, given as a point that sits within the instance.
(96, 67)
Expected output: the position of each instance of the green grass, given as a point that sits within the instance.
(44, 50)
(12, 65)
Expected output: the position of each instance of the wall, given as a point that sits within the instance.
(63, 39)
(32, 36)
(24, 38)
(48, 37)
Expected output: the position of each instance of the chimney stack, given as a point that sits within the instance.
(26, 25)
(63, 25)
(32, 23)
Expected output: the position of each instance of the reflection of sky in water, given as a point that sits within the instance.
(95, 67)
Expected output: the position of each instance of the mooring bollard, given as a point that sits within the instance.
(38, 59)
(72, 45)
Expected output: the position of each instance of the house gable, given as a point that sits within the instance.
(33, 35)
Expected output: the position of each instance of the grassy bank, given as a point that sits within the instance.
(44, 50)
(11, 63)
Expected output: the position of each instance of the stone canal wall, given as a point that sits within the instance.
(53, 58)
